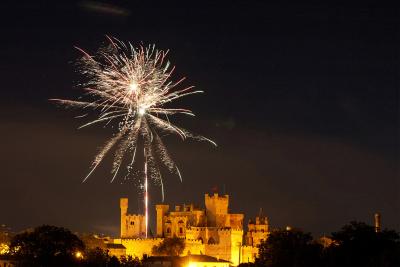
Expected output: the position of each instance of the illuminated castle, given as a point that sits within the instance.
(211, 231)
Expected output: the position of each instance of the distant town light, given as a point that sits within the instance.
(4, 248)
(78, 255)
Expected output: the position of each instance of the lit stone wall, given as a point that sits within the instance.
(138, 247)
(248, 254)
(194, 247)
(208, 264)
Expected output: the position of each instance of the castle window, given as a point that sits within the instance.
(168, 230)
(211, 241)
(180, 230)
(132, 223)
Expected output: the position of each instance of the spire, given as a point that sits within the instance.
(260, 213)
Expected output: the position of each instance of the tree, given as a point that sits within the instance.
(46, 246)
(130, 262)
(289, 248)
(96, 257)
(92, 241)
(169, 247)
(357, 244)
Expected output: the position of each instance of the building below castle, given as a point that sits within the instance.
(211, 231)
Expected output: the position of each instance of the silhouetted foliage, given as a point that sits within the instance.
(113, 262)
(357, 244)
(91, 241)
(169, 247)
(289, 248)
(96, 257)
(130, 262)
(46, 246)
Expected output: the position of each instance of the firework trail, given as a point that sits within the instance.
(130, 87)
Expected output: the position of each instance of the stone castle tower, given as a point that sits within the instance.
(132, 225)
(211, 231)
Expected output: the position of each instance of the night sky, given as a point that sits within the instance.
(302, 100)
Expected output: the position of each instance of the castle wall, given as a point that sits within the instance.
(195, 247)
(259, 237)
(222, 251)
(248, 254)
(236, 221)
(221, 242)
(139, 247)
(236, 245)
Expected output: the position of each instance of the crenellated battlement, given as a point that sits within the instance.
(143, 239)
(135, 215)
(194, 241)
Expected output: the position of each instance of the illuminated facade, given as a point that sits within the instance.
(211, 231)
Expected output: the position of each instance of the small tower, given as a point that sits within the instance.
(216, 209)
(258, 231)
(161, 212)
(123, 204)
(132, 225)
(377, 217)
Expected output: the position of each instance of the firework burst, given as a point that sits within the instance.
(130, 87)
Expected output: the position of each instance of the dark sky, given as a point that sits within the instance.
(302, 99)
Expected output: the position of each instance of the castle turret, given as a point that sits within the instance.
(258, 231)
(123, 204)
(377, 222)
(216, 209)
(132, 225)
(161, 212)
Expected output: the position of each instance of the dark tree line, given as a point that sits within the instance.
(49, 246)
(356, 244)
(169, 247)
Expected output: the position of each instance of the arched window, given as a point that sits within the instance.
(132, 223)
(168, 230)
(211, 240)
(180, 230)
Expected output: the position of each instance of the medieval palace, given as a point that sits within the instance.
(211, 231)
